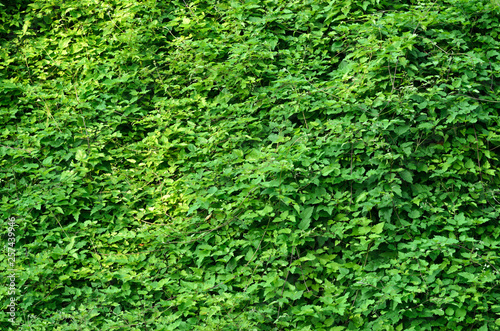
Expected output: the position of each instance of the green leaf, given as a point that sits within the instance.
(414, 214)
(76, 214)
(378, 228)
(400, 130)
(80, 155)
(469, 164)
(70, 245)
(305, 218)
(267, 210)
(397, 189)
(26, 25)
(328, 169)
(460, 313)
(48, 161)
(249, 254)
(385, 214)
(361, 197)
(483, 328)
(460, 219)
(406, 176)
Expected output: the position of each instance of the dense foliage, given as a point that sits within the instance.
(251, 165)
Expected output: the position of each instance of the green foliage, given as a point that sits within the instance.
(251, 165)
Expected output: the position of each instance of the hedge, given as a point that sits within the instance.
(250, 165)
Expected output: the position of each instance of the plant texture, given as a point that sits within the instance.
(251, 165)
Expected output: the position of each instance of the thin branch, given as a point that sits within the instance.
(479, 99)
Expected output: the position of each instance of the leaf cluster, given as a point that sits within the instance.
(252, 165)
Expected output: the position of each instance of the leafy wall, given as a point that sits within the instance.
(251, 165)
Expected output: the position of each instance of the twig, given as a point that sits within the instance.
(479, 99)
